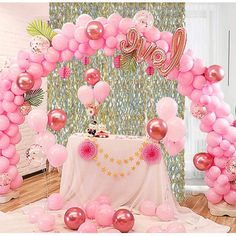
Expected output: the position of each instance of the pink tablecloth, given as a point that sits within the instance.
(119, 173)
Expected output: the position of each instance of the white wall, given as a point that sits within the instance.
(14, 20)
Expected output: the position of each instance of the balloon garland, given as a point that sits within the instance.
(139, 41)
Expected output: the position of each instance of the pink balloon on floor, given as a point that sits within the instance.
(46, 222)
(155, 229)
(87, 227)
(148, 208)
(103, 215)
(35, 213)
(176, 227)
(55, 202)
(91, 208)
(165, 212)
(102, 199)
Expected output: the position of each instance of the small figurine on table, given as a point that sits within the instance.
(92, 128)
(102, 132)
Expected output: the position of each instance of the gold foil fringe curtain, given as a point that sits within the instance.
(132, 99)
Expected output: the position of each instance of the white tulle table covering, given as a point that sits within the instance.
(135, 181)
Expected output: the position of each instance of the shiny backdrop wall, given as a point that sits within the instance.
(133, 97)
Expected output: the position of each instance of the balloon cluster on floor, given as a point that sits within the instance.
(95, 215)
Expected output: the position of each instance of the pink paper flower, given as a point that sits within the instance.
(87, 150)
(151, 153)
(64, 72)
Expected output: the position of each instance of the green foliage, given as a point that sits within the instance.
(38, 27)
(34, 97)
(128, 62)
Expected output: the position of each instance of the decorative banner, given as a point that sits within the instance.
(135, 42)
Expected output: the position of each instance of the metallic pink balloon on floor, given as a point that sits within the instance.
(92, 76)
(25, 81)
(123, 220)
(214, 73)
(57, 119)
(94, 30)
(156, 128)
(74, 217)
(203, 161)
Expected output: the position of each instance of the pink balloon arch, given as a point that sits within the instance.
(162, 51)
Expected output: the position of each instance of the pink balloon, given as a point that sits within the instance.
(38, 58)
(221, 126)
(55, 202)
(57, 155)
(186, 78)
(48, 66)
(167, 36)
(4, 123)
(37, 120)
(5, 85)
(46, 222)
(91, 208)
(219, 189)
(12, 130)
(103, 215)
(102, 20)
(214, 104)
(196, 95)
(176, 129)
(213, 173)
(46, 140)
(213, 197)
(67, 55)
(102, 199)
(173, 148)
(68, 30)
(35, 213)
(80, 35)
(52, 55)
(155, 229)
(165, 212)
(222, 180)
(97, 44)
(17, 182)
(231, 134)
(199, 82)
(167, 108)
(4, 141)
(19, 100)
(108, 51)
(198, 67)
(148, 208)
(230, 198)
(16, 139)
(173, 75)
(16, 117)
(114, 19)
(213, 139)
(35, 69)
(225, 144)
(185, 90)
(101, 91)
(186, 63)
(87, 227)
(73, 45)
(9, 151)
(176, 227)
(111, 42)
(209, 182)
(152, 34)
(15, 159)
(83, 19)
(4, 164)
(163, 45)
(9, 106)
(60, 42)
(125, 25)
(16, 90)
(85, 95)
(8, 96)
(223, 110)
(209, 119)
(12, 172)
(109, 30)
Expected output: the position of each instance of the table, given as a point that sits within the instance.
(120, 173)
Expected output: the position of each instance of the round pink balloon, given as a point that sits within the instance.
(57, 155)
(46, 140)
(87, 227)
(55, 202)
(91, 208)
(176, 228)
(176, 129)
(85, 95)
(148, 208)
(103, 215)
(46, 222)
(101, 91)
(165, 212)
(35, 213)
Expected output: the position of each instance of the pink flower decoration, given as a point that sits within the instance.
(64, 72)
(151, 153)
(87, 150)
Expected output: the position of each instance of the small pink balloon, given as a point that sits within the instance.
(97, 44)
(176, 129)
(15, 159)
(38, 58)
(85, 95)
(223, 110)
(199, 82)
(108, 51)
(222, 180)
(103, 215)
(35, 213)
(60, 42)
(176, 227)
(46, 222)
(125, 25)
(48, 66)
(57, 119)
(209, 119)
(155, 229)
(67, 55)
(109, 30)
(213, 139)
(230, 198)
(91, 208)
(196, 95)
(221, 126)
(92, 76)
(213, 172)
(73, 45)
(9, 151)
(16, 117)
(209, 182)
(152, 34)
(9, 96)
(16, 139)
(198, 67)
(220, 162)
(219, 189)
(4, 123)
(57, 155)
(186, 63)
(167, 36)
(165, 212)
(102, 199)
(185, 90)
(213, 197)
(55, 202)
(87, 227)
(173, 75)
(214, 73)
(114, 19)
(111, 42)
(4, 140)
(173, 148)
(45, 140)
(5, 85)
(80, 35)
(101, 91)
(148, 208)
(163, 45)
(103, 20)
(17, 182)
(52, 55)
(19, 100)
(4, 164)
(68, 30)
(83, 19)
(9, 106)
(12, 171)
(186, 78)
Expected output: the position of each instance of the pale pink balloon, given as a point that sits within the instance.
(155, 229)
(231, 134)
(209, 119)
(91, 208)
(17, 182)
(176, 227)
(205, 100)
(167, 36)
(85, 95)
(221, 126)
(108, 51)
(4, 164)
(35, 213)
(12, 171)
(9, 106)
(9, 96)
(87, 227)
(4, 141)
(152, 34)
(35, 69)
(101, 91)
(97, 44)
(223, 110)
(37, 84)
(4, 122)
(213, 139)
(22, 55)
(185, 90)
(16, 90)
(225, 144)
(102, 20)
(15, 159)
(16, 117)
(230, 198)
(125, 25)
(37, 120)
(73, 45)
(165, 212)
(57, 155)
(46, 222)
(16, 139)
(186, 79)
(111, 42)
(5, 85)
(68, 30)
(19, 100)
(67, 55)
(114, 19)
(173, 75)
(80, 35)
(38, 58)
(103, 215)
(52, 55)
(173, 148)
(198, 67)
(60, 42)
(213, 173)
(186, 63)
(163, 45)
(83, 19)
(148, 208)
(196, 95)
(102, 199)
(209, 182)
(214, 104)
(109, 30)
(14, 72)
(176, 129)
(55, 202)
(167, 108)
(213, 197)
(46, 140)
(199, 81)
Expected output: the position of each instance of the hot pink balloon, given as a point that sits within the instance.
(57, 155)
(101, 91)
(85, 95)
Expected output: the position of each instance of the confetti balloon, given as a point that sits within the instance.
(25, 81)
(231, 168)
(35, 155)
(25, 108)
(214, 73)
(92, 76)
(4, 183)
(123, 220)
(74, 217)
(57, 119)
(156, 129)
(39, 44)
(94, 30)
(143, 19)
(198, 111)
(203, 161)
